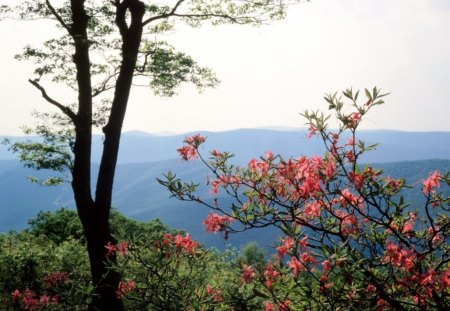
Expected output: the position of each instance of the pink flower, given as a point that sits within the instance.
(284, 305)
(216, 153)
(445, 279)
(186, 244)
(409, 225)
(354, 119)
(351, 294)
(15, 295)
(270, 274)
(29, 300)
(330, 168)
(306, 258)
(285, 247)
(268, 155)
(355, 116)
(312, 131)
(195, 140)
(393, 183)
(268, 306)
(350, 156)
(303, 242)
(224, 181)
(381, 304)
(312, 209)
(248, 273)
(253, 165)
(263, 166)
(168, 238)
(111, 249)
(428, 278)
(122, 247)
(215, 223)
(326, 266)
(356, 179)
(436, 234)
(399, 257)
(187, 153)
(125, 287)
(54, 278)
(44, 300)
(215, 293)
(295, 265)
(431, 182)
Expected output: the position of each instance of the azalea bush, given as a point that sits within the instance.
(46, 267)
(38, 274)
(348, 240)
(171, 271)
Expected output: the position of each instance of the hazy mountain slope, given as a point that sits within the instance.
(138, 195)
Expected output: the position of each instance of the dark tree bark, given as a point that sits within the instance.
(94, 214)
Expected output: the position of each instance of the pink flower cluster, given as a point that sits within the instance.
(248, 273)
(287, 244)
(282, 306)
(189, 151)
(215, 293)
(224, 181)
(182, 244)
(270, 275)
(215, 223)
(121, 248)
(431, 182)
(399, 257)
(55, 278)
(185, 244)
(125, 287)
(29, 300)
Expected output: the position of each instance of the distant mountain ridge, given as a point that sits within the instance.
(145, 157)
(393, 146)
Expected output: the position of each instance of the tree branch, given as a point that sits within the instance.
(104, 85)
(171, 13)
(57, 16)
(66, 110)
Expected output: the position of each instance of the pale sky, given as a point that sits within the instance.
(272, 73)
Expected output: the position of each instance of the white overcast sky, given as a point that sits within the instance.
(272, 73)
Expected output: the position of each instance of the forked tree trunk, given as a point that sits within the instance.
(94, 214)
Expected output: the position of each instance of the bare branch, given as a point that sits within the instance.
(66, 110)
(57, 16)
(171, 13)
(104, 86)
(240, 20)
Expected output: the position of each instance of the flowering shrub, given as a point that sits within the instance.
(170, 271)
(160, 270)
(37, 274)
(350, 241)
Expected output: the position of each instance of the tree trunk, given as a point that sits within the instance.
(106, 281)
(94, 214)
